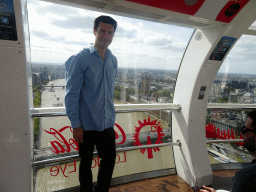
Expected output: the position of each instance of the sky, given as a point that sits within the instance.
(58, 32)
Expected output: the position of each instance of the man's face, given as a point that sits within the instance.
(249, 137)
(104, 35)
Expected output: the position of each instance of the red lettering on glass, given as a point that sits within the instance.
(155, 127)
(118, 159)
(122, 132)
(58, 145)
(63, 171)
(98, 161)
(71, 142)
(74, 167)
(51, 170)
(124, 158)
(95, 163)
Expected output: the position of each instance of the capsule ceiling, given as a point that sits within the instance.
(189, 13)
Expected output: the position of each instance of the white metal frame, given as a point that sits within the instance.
(16, 137)
(197, 70)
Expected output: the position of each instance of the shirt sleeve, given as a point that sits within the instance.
(116, 65)
(74, 78)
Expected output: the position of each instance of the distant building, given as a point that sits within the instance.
(242, 84)
(235, 97)
(36, 80)
(161, 100)
(216, 88)
(234, 84)
(145, 84)
(232, 97)
(44, 75)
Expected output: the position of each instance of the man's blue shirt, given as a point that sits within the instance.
(90, 89)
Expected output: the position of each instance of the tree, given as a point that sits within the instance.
(117, 95)
(166, 93)
(231, 89)
(223, 101)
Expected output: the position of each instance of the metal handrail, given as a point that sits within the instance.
(120, 108)
(225, 141)
(230, 106)
(72, 157)
(54, 114)
(129, 108)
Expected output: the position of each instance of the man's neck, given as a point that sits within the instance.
(102, 51)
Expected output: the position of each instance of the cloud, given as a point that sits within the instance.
(40, 34)
(75, 23)
(244, 50)
(42, 8)
(58, 31)
(166, 43)
(122, 33)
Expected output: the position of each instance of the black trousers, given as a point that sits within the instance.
(106, 147)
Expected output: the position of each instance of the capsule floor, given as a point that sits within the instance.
(173, 183)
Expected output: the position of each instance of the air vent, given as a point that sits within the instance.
(199, 36)
(137, 12)
(187, 22)
(90, 3)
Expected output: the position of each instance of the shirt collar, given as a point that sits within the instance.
(93, 49)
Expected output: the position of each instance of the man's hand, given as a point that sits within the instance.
(206, 189)
(78, 134)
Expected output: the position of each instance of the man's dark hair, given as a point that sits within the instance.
(105, 19)
(252, 115)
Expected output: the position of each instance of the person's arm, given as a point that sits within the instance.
(206, 189)
(74, 77)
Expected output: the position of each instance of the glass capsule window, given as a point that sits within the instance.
(149, 55)
(235, 81)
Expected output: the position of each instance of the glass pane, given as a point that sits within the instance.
(54, 140)
(235, 81)
(53, 135)
(226, 124)
(148, 53)
(56, 176)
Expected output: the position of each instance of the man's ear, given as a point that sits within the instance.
(94, 31)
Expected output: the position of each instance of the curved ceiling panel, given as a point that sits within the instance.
(223, 11)
(189, 7)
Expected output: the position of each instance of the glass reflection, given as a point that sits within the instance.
(235, 81)
(53, 136)
(226, 124)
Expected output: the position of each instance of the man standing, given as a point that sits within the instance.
(89, 104)
(245, 179)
